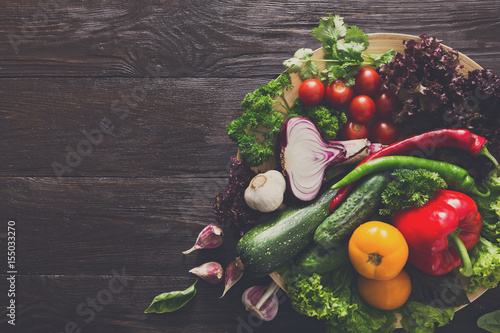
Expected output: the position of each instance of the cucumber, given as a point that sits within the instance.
(355, 210)
(316, 259)
(274, 243)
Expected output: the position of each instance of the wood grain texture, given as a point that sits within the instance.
(141, 223)
(215, 38)
(115, 303)
(154, 126)
(131, 98)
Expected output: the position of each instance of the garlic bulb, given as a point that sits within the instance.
(265, 192)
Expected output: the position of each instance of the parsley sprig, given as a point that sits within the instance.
(342, 46)
(410, 188)
(255, 130)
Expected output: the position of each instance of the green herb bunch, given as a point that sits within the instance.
(410, 188)
(255, 130)
(327, 119)
(342, 46)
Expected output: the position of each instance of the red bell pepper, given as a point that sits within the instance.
(449, 218)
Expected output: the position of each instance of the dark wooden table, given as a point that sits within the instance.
(113, 147)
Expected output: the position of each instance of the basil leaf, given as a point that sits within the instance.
(490, 322)
(171, 301)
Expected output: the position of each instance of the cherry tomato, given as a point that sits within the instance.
(387, 103)
(384, 131)
(353, 131)
(367, 82)
(338, 94)
(311, 92)
(362, 109)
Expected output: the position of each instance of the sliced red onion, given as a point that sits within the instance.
(233, 275)
(211, 272)
(262, 301)
(305, 155)
(210, 237)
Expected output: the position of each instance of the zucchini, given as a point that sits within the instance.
(274, 243)
(355, 210)
(319, 260)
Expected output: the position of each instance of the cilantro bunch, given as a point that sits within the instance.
(342, 46)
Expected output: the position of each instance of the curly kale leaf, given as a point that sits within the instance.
(255, 130)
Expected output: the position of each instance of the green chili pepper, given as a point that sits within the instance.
(456, 177)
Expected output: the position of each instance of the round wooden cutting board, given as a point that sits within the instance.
(379, 43)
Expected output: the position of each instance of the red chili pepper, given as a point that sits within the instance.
(423, 145)
(449, 217)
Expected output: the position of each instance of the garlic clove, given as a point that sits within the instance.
(261, 301)
(210, 237)
(211, 272)
(233, 275)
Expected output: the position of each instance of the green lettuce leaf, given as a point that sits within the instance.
(334, 297)
(485, 257)
(489, 209)
(310, 297)
(421, 318)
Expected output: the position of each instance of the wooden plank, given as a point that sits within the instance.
(118, 127)
(82, 225)
(221, 39)
(115, 303)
